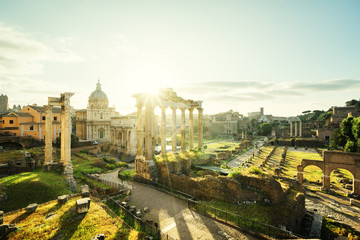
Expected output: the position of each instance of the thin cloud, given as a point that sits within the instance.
(22, 54)
(330, 85)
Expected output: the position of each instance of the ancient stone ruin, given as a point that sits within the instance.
(166, 98)
(65, 159)
(332, 161)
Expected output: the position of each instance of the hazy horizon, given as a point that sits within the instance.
(285, 56)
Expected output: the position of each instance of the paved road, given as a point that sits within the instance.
(243, 157)
(173, 216)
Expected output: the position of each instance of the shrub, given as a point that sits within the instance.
(84, 151)
(255, 170)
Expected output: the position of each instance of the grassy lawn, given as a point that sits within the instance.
(332, 230)
(65, 223)
(184, 155)
(32, 187)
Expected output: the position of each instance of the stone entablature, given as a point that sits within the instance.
(333, 160)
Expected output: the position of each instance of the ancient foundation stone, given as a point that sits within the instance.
(83, 205)
(31, 208)
(62, 199)
(6, 229)
(85, 192)
(1, 217)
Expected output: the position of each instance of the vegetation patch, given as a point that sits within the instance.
(52, 220)
(32, 187)
(331, 230)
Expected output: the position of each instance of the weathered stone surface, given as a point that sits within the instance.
(3, 197)
(62, 199)
(31, 208)
(83, 205)
(146, 209)
(1, 217)
(99, 237)
(138, 213)
(85, 192)
(6, 229)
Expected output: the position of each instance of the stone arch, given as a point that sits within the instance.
(333, 166)
(345, 168)
(304, 164)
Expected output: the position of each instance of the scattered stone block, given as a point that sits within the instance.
(83, 205)
(85, 192)
(6, 229)
(31, 208)
(99, 237)
(124, 204)
(127, 199)
(146, 209)
(138, 214)
(1, 217)
(62, 199)
(3, 197)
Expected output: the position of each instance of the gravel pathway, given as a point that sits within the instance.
(243, 157)
(173, 216)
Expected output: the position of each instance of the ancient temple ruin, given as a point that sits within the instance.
(166, 98)
(295, 126)
(65, 157)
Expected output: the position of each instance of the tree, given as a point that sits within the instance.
(265, 129)
(352, 102)
(346, 128)
(324, 116)
(337, 139)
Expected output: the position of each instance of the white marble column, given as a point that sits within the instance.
(48, 134)
(291, 129)
(300, 129)
(140, 136)
(163, 130)
(148, 140)
(183, 144)
(296, 129)
(62, 135)
(200, 129)
(191, 128)
(173, 134)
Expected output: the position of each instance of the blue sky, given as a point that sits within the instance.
(285, 56)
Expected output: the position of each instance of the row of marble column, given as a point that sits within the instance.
(150, 124)
(296, 133)
(65, 149)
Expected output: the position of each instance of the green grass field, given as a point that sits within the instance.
(32, 187)
(212, 147)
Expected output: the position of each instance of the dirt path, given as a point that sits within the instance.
(173, 216)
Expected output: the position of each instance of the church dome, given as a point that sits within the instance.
(98, 98)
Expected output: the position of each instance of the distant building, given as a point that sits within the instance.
(29, 121)
(340, 113)
(261, 117)
(102, 123)
(4, 105)
(226, 123)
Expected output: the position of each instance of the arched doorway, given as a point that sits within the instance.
(312, 175)
(342, 180)
(101, 133)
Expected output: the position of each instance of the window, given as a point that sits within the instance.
(3, 121)
(31, 127)
(55, 118)
(11, 121)
(43, 118)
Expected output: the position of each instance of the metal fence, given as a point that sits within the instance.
(136, 222)
(240, 221)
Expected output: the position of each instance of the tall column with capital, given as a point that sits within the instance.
(62, 135)
(173, 134)
(191, 128)
(200, 129)
(148, 139)
(183, 144)
(163, 130)
(140, 136)
(300, 129)
(296, 129)
(291, 129)
(67, 127)
(48, 134)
